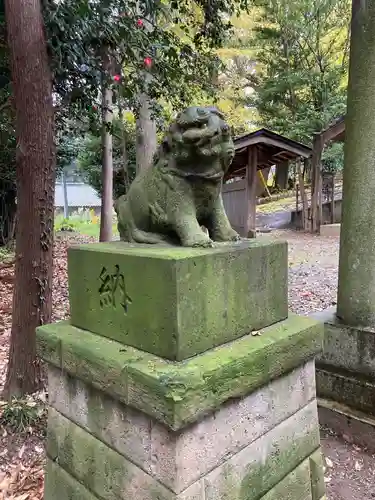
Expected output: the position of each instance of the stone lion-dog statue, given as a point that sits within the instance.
(181, 192)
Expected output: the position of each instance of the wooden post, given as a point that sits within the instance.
(333, 200)
(305, 206)
(250, 195)
(316, 186)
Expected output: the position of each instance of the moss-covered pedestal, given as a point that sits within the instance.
(182, 377)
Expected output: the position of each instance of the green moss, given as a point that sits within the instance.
(179, 393)
(99, 468)
(59, 485)
(356, 289)
(102, 470)
(317, 475)
(296, 485)
(260, 479)
(178, 302)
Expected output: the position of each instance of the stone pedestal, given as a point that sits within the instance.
(346, 378)
(173, 416)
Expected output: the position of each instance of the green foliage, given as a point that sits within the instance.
(64, 225)
(333, 158)
(124, 167)
(300, 78)
(83, 222)
(6, 254)
(171, 42)
(21, 415)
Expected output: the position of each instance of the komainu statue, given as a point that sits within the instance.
(181, 191)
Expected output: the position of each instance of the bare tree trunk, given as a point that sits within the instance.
(146, 135)
(107, 159)
(124, 152)
(32, 86)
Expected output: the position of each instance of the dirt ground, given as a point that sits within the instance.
(313, 265)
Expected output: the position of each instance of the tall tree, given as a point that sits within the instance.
(107, 158)
(301, 74)
(146, 134)
(35, 171)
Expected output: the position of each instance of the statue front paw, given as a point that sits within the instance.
(203, 244)
(198, 241)
(228, 235)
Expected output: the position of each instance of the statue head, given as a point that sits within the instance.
(200, 137)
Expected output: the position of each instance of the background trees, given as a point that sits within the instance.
(301, 51)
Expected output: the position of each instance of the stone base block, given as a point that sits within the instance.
(177, 302)
(346, 367)
(298, 485)
(181, 393)
(263, 446)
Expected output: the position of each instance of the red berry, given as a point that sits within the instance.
(117, 78)
(95, 108)
(140, 23)
(148, 62)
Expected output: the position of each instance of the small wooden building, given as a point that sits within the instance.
(256, 152)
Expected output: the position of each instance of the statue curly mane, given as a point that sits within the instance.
(194, 136)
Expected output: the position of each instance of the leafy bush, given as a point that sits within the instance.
(333, 158)
(65, 225)
(21, 415)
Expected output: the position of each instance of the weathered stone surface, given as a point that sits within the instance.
(346, 366)
(182, 190)
(248, 475)
(316, 475)
(177, 302)
(180, 393)
(356, 289)
(104, 471)
(296, 486)
(350, 389)
(59, 485)
(346, 347)
(259, 467)
(177, 459)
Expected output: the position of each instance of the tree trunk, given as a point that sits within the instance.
(146, 135)
(107, 162)
(124, 153)
(35, 169)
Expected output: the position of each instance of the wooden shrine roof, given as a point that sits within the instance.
(272, 149)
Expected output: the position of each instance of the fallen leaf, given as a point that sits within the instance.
(358, 466)
(21, 451)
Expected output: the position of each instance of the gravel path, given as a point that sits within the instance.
(313, 267)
